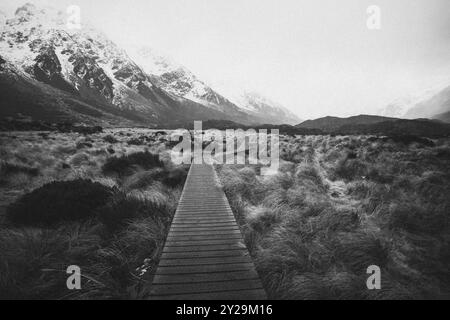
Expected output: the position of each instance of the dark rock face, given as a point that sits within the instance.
(48, 70)
(175, 79)
(95, 78)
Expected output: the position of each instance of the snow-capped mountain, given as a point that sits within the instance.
(414, 105)
(261, 107)
(437, 104)
(84, 63)
(178, 80)
(86, 66)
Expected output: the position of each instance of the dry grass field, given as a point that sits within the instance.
(101, 201)
(341, 204)
(337, 205)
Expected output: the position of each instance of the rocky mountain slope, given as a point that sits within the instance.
(39, 51)
(178, 80)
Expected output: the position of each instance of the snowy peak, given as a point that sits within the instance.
(152, 61)
(143, 84)
(257, 105)
(177, 79)
(414, 105)
(26, 12)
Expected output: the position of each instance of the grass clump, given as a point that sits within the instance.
(59, 201)
(123, 165)
(124, 208)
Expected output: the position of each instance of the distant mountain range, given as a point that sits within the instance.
(329, 124)
(376, 125)
(432, 107)
(51, 73)
(443, 117)
(358, 125)
(430, 104)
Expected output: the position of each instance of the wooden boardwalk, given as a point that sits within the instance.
(204, 257)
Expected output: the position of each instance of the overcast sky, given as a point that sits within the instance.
(316, 57)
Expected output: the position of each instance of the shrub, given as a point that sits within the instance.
(409, 139)
(79, 159)
(349, 169)
(84, 144)
(309, 171)
(7, 168)
(358, 250)
(122, 165)
(110, 139)
(135, 142)
(418, 218)
(263, 220)
(124, 208)
(59, 201)
(142, 179)
(176, 177)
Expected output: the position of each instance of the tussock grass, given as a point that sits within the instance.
(340, 204)
(59, 201)
(64, 211)
(123, 165)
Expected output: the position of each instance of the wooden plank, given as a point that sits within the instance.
(217, 247)
(164, 289)
(205, 224)
(176, 233)
(192, 228)
(201, 242)
(202, 235)
(206, 277)
(193, 215)
(205, 268)
(204, 254)
(204, 261)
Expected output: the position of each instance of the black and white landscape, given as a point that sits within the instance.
(87, 176)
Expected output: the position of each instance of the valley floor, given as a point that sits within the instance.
(105, 201)
(102, 202)
(341, 204)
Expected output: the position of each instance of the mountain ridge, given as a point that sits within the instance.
(89, 67)
(330, 123)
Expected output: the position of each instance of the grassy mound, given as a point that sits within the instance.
(123, 165)
(59, 201)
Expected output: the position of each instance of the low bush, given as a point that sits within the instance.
(409, 139)
(122, 165)
(175, 177)
(135, 142)
(110, 139)
(59, 201)
(415, 218)
(7, 168)
(124, 208)
(349, 169)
